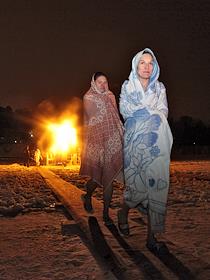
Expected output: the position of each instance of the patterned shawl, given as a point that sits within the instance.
(147, 143)
(103, 135)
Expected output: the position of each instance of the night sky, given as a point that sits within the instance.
(50, 49)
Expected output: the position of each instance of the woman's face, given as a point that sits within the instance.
(145, 66)
(101, 84)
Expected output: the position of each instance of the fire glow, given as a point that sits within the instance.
(58, 133)
(63, 135)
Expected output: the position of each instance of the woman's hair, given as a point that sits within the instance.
(98, 74)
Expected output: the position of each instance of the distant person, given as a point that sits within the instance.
(147, 146)
(102, 148)
(27, 155)
(37, 157)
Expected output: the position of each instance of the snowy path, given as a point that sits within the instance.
(44, 244)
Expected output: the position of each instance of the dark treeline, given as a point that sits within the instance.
(188, 131)
(17, 126)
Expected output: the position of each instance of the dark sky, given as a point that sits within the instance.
(49, 49)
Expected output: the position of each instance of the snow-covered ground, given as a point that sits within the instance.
(39, 241)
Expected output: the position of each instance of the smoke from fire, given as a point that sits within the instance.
(58, 125)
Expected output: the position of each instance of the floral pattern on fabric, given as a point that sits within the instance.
(102, 155)
(147, 143)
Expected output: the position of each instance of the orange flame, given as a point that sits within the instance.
(64, 136)
(58, 131)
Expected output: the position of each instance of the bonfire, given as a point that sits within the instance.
(61, 144)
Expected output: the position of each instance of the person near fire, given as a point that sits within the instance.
(37, 157)
(102, 154)
(147, 147)
(27, 155)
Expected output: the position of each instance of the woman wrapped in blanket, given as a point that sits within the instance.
(147, 146)
(102, 155)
